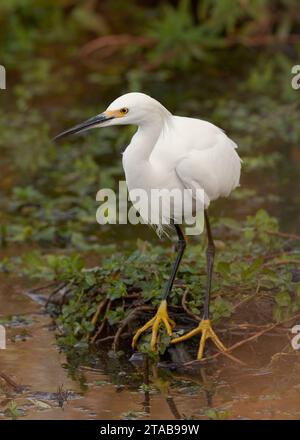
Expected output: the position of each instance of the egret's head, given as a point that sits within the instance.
(131, 108)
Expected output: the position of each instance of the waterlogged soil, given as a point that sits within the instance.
(37, 383)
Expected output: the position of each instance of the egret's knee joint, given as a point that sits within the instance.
(210, 251)
(181, 244)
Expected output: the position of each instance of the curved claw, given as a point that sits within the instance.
(141, 330)
(160, 317)
(207, 332)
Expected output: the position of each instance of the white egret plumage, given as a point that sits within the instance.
(174, 153)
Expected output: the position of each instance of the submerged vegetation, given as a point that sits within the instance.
(65, 61)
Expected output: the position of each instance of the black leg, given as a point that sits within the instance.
(181, 248)
(210, 253)
(204, 326)
(161, 316)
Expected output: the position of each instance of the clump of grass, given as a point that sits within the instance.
(254, 268)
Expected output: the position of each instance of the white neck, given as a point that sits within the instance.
(140, 148)
(146, 137)
(137, 154)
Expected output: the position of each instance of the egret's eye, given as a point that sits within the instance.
(124, 111)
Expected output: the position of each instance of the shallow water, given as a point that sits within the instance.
(113, 389)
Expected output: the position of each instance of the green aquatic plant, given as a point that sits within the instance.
(13, 411)
(108, 300)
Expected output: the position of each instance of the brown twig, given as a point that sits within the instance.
(244, 326)
(274, 255)
(61, 286)
(233, 358)
(186, 308)
(99, 331)
(133, 296)
(11, 382)
(284, 235)
(111, 337)
(44, 287)
(98, 311)
(282, 262)
(115, 42)
(125, 322)
(249, 298)
(261, 40)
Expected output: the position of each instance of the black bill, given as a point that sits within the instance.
(86, 125)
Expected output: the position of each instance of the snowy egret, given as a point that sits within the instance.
(173, 152)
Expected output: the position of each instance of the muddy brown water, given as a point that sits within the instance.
(48, 391)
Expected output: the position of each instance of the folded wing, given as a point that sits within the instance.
(216, 169)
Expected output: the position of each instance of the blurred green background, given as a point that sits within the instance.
(225, 61)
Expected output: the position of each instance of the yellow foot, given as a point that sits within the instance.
(207, 332)
(161, 317)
